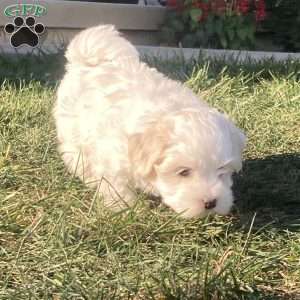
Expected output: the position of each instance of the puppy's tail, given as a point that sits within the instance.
(100, 44)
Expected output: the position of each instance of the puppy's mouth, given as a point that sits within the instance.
(209, 205)
(154, 200)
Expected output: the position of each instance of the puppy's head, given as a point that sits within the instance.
(189, 158)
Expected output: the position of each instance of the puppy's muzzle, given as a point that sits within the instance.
(210, 204)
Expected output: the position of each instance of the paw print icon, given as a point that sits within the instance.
(24, 32)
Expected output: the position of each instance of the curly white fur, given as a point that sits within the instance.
(122, 125)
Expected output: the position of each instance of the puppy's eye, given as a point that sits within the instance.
(222, 171)
(221, 175)
(184, 172)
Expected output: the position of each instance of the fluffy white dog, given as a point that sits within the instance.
(124, 126)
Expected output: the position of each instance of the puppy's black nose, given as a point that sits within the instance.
(210, 204)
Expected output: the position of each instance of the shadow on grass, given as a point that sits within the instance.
(44, 68)
(48, 69)
(178, 68)
(271, 188)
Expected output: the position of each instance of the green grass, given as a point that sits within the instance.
(57, 241)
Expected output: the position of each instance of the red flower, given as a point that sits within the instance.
(243, 6)
(175, 4)
(172, 3)
(204, 8)
(218, 7)
(260, 12)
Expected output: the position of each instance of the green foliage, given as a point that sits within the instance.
(284, 23)
(195, 27)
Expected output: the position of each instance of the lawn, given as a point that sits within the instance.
(58, 242)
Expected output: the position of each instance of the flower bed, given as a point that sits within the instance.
(227, 24)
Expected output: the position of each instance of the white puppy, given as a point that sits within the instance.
(124, 126)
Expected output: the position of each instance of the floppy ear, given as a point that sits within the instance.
(146, 149)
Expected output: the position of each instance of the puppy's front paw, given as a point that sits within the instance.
(116, 197)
